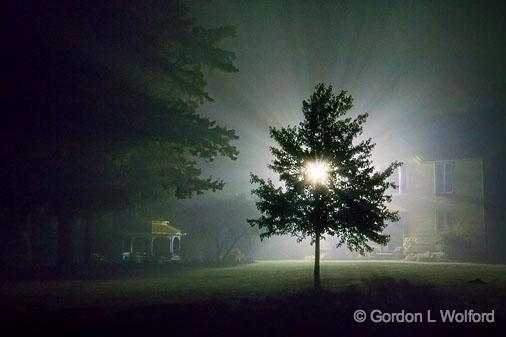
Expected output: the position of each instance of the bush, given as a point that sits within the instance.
(409, 245)
(460, 247)
(430, 257)
(235, 257)
(410, 257)
(426, 257)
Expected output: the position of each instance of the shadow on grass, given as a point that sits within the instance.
(307, 313)
(103, 272)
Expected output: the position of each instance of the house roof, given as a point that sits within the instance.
(163, 227)
(446, 136)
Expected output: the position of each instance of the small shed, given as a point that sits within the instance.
(161, 242)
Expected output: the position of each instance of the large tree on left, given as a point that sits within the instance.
(101, 112)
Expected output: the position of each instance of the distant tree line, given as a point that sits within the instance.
(101, 114)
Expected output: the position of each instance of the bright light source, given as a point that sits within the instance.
(317, 171)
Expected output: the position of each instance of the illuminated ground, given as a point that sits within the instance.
(264, 291)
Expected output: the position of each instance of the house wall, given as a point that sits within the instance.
(419, 203)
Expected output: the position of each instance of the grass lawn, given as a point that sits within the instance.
(263, 287)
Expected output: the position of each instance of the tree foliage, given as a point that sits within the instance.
(102, 105)
(351, 203)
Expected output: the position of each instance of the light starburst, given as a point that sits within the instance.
(317, 171)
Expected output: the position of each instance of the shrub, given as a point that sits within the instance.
(235, 257)
(460, 247)
(409, 245)
(410, 257)
(430, 257)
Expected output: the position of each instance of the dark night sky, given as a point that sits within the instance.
(406, 63)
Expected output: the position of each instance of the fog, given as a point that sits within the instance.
(431, 76)
(404, 65)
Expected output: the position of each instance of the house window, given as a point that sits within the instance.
(444, 220)
(398, 177)
(443, 177)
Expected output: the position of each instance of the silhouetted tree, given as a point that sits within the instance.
(101, 109)
(328, 183)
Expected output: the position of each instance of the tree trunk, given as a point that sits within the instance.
(65, 247)
(26, 232)
(88, 236)
(229, 250)
(317, 283)
(218, 249)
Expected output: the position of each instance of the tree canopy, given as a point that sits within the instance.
(102, 107)
(328, 184)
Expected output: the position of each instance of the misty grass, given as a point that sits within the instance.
(266, 279)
